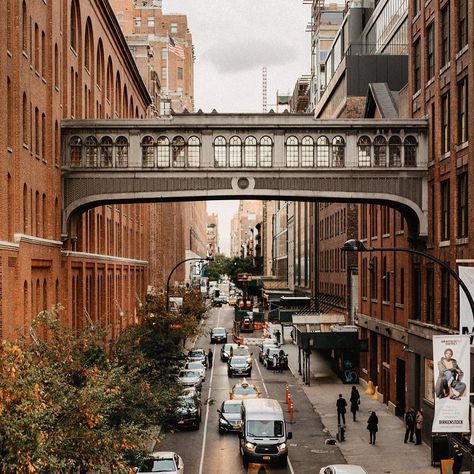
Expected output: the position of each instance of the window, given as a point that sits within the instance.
(163, 152)
(307, 151)
(174, 28)
(150, 22)
(380, 151)
(73, 27)
(43, 136)
(322, 151)
(430, 295)
(164, 53)
(177, 150)
(364, 151)
(137, 22)
(220, 151)
(121, 156)
(417, 65)
(235, 152)
(56, 66)
(445, 45)
(75, 145)
(462, 206)
(338, 151)
(394, 151)
(193, 151)
(266, 146)
(250, 151)
(402, 286)
(432, 210)
(180, 73)
(37, 48)
(25, 119)
(106, 150)
(430, 57)
(445, 124)
(88, 47)
(445, 210)
(429, 381)
(292, 152)
(385, 280)
(37, 131)
(445, 298)
(462, 23)
(24, 28)
(373, 278)
(92, 151)
(416, 7)
(164, 72)
(463, 126)
(410, 146)
(9, 112)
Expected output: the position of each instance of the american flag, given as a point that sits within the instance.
(176, 48)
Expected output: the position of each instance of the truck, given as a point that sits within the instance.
(263, 434)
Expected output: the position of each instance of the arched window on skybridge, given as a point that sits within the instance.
(364, 155)
(322, 152)
(220, 145)
(75, 145)
(292, 152)
(266, 152)
(410, 148)
(148, 152)
(235, 152)
(394, 151)
(380, 151)
(194, 147)
(92, 152)
(177, 148)
(307, 151)
(106, 152)
(121, 152)
(250, 152)
(338, 152)
(163, 152)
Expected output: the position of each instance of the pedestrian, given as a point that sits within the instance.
(275, 362)
(372, 426)
(419, 425)
(355, 402)
(341, 409)
(277, 335)
(281, 356)
(410, 420)
(457, 459)
(210, 357)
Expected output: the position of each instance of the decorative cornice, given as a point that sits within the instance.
(108, 258)
(32, 239)
(11, 246)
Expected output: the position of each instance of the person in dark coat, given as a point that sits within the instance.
(355, 402)
(457, 458)
(410, 417)
(210, 356)
(341, 409)
(418, 425)
(372, 426)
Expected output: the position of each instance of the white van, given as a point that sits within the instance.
(263, 436)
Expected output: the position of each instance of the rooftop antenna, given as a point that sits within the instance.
(264, 89)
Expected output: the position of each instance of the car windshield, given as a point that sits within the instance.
(187, 402)
(273, 352)
(219, 331)
(227, 347)
(188, 373)
(196, 353)
(238, 362)
(247, 390)
(241, 351)
(265, 428)
(195, 365)
(231, 408)
(158, 465)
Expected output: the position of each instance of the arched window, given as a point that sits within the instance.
(292, 152)
(394, 151)
(266, 149)
(380, 151)
(106, 151)
(57, 143)
(125, 102)
(235, 152)
(131, 107)
(56, 66)
(92, 151)
(25, 306)
(44, 219)
(75, 145)
(43, 136)
(88, 47)
(37, 49)
(37, 131)
(110, 80)
(220, 152)
(43, 54)
(148, 152)
(364, 151)
(100, 65)
(55, 220)
(163, 150)
(177, 148)
(193, 151)
(74, 30)
(410, 146)
(338, 152)
(322, 151)
(25, 209)
(250, 151)
(24, 27)
(121, 152)
(118, 95)
(307, 151)
(25, 119)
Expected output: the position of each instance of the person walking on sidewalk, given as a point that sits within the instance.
(210, 356)
(355, 402)
(372, 426)
(457, 458)
(277, 334)
(419, 425)
(341, 409)
(410, 420)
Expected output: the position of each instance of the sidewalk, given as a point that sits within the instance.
(389, 454)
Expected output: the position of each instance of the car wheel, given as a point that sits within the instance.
(221, 431)
(196, 426)
(284, 461)
(249, 373)
(245, 461)
(229, 374)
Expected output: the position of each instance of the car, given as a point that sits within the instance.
(246, 325)
(197, 354)
(218, 335)
(342, 469)
(244, 390)
(188, 410)
(190, 378)
(268, 358)
(229, 416)
(226, 350)
(269, 343)
(216, 302)
(162, 461)
(242, 350)
(239, 365)
(197, 365)
(232, 301)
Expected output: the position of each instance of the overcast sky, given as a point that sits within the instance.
(233, 40)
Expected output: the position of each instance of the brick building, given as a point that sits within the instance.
(213, 234)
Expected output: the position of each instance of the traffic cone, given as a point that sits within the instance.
(287, 393)
(375, 395)
(370, 388)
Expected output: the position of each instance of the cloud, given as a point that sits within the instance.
(247, 54)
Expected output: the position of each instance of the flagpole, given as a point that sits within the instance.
(167, 64)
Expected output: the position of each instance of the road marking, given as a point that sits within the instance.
(203, 449)
(290, 466)
(261, 376)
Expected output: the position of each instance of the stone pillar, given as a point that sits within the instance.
(279, 149)
(207, 150)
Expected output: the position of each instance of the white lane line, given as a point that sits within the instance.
(203, 449)
(261, 376)
(290, 466)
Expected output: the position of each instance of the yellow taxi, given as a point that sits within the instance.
(244, 390)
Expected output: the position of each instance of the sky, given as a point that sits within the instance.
(233, 40)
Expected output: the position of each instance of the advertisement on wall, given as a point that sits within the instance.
(451, 356)
(466, 318)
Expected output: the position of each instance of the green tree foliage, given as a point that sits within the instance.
(223, 265)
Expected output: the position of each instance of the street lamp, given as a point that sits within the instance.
(208, 259)
(353, 245)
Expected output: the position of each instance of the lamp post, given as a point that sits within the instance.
(208, 259)
(353, 245)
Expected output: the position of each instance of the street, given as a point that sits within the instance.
(207, 452)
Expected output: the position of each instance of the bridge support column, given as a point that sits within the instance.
(207, 155)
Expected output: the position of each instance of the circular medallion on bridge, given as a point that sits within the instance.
(243, 183)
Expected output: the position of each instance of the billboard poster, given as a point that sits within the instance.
(451, 356)
(466, 318)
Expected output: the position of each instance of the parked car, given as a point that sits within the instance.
(342, 469)
(197, 354)
(190, 378)
(239, 365)
(188, 410)
(197, 365)
(269, 343)
(229, 416)
(246, 325)
(244, 390)
(226, 350)
(218, 335)
(269, 357)
(162, 461)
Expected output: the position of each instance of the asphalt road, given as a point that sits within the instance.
(207, 452)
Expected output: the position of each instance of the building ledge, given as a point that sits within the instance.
(32, 239)
(109, 258)
(5, 245)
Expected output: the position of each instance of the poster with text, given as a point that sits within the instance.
(451, 357)
(466, 318)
